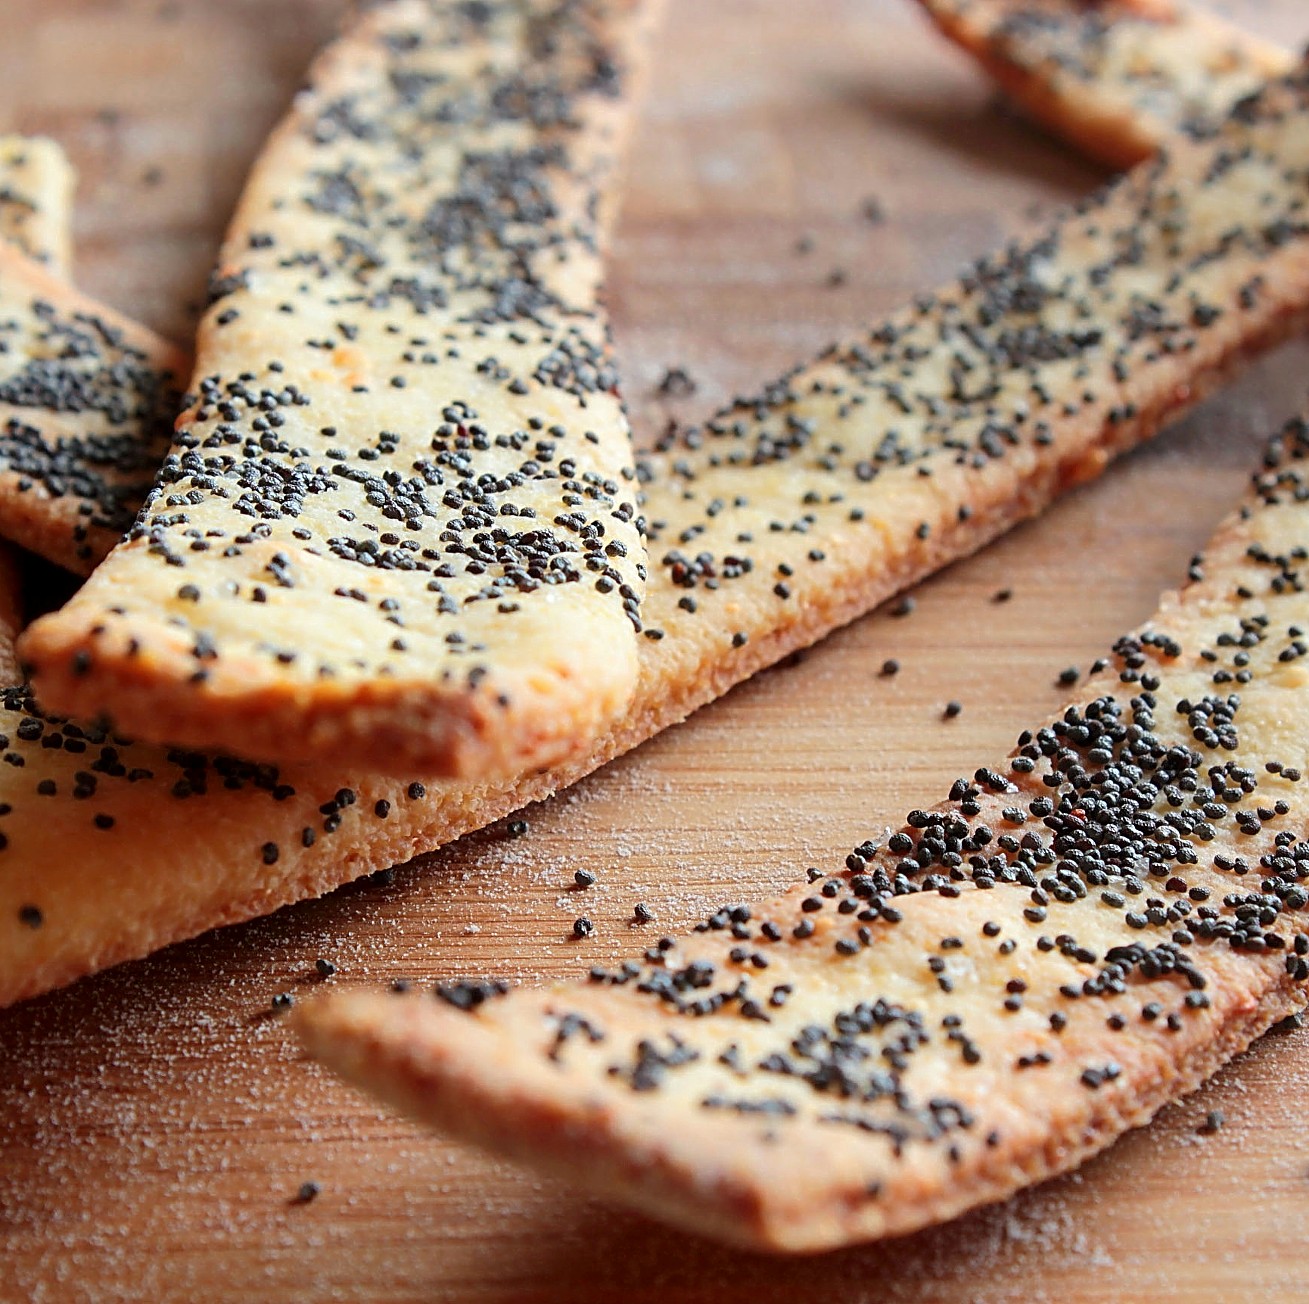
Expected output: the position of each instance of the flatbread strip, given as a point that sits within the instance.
(994, 993)
(1119, 78)
(36, 200)
(783, 518)
(87, 400)
(398, 525)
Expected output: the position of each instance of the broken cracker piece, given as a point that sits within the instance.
(87, 400)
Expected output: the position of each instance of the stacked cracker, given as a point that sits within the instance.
(1120, 78)
(783, 517)
(87, 398)
(391, 248)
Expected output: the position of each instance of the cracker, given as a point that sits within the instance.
(195, 842)
(11, 612)
(984, 999)
(1119, 78)
(36, 200)
(87, 400)
(89, 397)
(398, 526)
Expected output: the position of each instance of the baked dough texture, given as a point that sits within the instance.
(1118, 78)
(36, 200)
(398, 526)
(784, 517)
(983, 999)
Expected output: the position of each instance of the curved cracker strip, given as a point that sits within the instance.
(398, 525)
(36, 200)
(199, 842)
(1120, 78)
(1011, 981)
(87, 400)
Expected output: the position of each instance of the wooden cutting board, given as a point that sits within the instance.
(156, 1122)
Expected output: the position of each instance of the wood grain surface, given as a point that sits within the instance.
(157, 1122)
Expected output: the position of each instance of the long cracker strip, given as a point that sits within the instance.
(868, 498)
(1119, 78)
(994, 993)
(36, 200)
(398, 524)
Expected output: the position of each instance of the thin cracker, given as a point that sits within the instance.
(87, 400)
(399, 523)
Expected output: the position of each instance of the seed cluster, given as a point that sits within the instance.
(78, 365)
(406, 466)
(1116, 898)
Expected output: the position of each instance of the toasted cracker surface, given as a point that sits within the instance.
(398, 524)
(1119, 78)
(980, 1000)
(828, 455)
